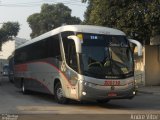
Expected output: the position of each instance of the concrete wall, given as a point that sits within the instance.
(139, 70)
(139, 67)
(152, 65)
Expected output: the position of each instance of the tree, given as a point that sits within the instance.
(139, 19)
(8, 31)
(51, 16)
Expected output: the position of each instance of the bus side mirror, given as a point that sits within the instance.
(77, 42)
(139, 46)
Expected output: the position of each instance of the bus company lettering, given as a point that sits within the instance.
(21, 68)
(112, 82)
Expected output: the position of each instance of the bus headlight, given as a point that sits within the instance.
(83, 93)
(134, 92)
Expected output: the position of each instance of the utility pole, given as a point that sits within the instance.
(0, 40)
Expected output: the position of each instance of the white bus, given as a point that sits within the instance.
(79, 62)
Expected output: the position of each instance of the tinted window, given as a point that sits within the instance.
(46, 48)
(53, 47)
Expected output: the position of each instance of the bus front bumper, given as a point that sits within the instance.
(103, 92)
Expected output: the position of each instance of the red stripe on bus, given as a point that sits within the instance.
(16, 66)
(57, 70)
(22, 67)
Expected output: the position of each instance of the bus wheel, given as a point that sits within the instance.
(59, 94)
(24, 90)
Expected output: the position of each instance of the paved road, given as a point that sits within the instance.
(12, 101)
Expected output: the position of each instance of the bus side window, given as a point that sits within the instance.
(70, 53)
(70, 50)
(20, 56)
(53, 46)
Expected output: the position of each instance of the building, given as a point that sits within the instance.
(8, 48)
(19, 41)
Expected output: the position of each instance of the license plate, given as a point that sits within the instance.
(112, 83)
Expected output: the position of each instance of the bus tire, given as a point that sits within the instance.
(59, 97)
(24, 90)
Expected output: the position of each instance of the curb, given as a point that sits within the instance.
(149, 93)
(145, 92)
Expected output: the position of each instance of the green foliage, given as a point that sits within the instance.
(50, 17)
(139, 19)
(8, 30)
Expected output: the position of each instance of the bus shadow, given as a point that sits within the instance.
(113, 104)
(117, 105)
(94, 103)
(39, 96)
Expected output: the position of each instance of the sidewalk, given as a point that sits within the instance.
(149, 90)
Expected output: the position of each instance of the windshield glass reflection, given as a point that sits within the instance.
(106, 57)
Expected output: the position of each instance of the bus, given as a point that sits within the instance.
(78, 62)
(5, 70)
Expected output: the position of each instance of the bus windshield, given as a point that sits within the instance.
(106, 56)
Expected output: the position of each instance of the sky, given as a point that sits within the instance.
(19, 10)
